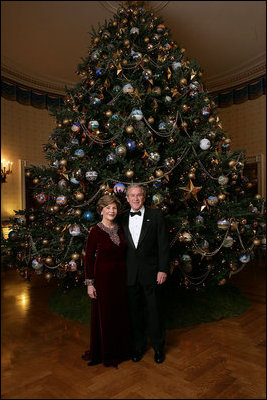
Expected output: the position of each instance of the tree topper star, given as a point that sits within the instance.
(191, 190)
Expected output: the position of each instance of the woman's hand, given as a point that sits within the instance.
(91, 291)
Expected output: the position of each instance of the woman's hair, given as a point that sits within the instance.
(136, 185)
(105, 201)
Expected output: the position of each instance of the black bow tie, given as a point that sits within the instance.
(135, 213)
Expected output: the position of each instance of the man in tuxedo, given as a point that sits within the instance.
(147, 263)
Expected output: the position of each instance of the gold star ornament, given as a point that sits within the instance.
(191, 190)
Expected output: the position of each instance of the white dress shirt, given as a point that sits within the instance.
(135, 225)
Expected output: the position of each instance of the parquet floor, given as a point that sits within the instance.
(41, 352)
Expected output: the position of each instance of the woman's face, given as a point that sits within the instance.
(109, 212)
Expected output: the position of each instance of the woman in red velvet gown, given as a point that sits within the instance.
(105, 277)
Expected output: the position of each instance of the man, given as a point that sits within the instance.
(147, 262)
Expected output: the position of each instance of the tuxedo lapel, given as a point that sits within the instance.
(127, 230)
(145, 226)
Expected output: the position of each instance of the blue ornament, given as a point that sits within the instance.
(94, 100)
(74, 141)
(119, 188)
(130, 144)
(88, 216)
(79, 153)
(176, 64)
(128, 88)
(199, 219)
(244, 258)
(20, 221)
(95, 55)
(137, 115)
(212, 200)
(223, 224)
(100, 71)
(162, 126)
(115, 116)
(74, 180)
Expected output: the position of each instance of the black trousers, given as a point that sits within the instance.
(144, 302)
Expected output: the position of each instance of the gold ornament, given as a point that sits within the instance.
(171, 140)
(57, 228)
(151, 120)
(124, 62)
(146, 39)
(222, 282)
(256, 242)
(258, 196)
(127, 42)
(227, 141)
(65, 121)
(28, 173)
(140, 145)
(184, 124)
(36, 180)
(187, 237)
(191, 190)
(191, 175)
(78, 212)
(79, 195)
(49, 260)
(45, 242)
(243, 221)
(31, 217)
(183, 81)
(159, 173)
(146, 60)
(56, 208)
(221, 196)
(129, 173)
(234, 226)
(211, 120)
(75, 256)
(96, 40)
(108, 113)
(129, 129)
(196, 121)
(232, 163)
(62, 239)
(63, 162)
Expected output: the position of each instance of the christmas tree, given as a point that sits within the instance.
(140, 113)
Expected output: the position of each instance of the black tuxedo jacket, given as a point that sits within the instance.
(152, 253)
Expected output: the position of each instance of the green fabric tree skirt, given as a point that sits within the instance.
(181, 307)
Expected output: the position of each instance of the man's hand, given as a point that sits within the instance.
(91, 291)
(161, 277)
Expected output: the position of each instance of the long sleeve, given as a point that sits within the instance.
(90, 251)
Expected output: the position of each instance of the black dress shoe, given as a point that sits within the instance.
(159, 356)
(93, 362)
(138, 355)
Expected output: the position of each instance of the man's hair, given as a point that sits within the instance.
(106, 200)
(136, 185)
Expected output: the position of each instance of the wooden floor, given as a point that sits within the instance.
(41, 352)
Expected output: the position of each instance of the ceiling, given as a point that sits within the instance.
(43, 41)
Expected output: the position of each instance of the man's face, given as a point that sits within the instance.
(136, 198)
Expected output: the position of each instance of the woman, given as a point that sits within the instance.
(105, 277)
